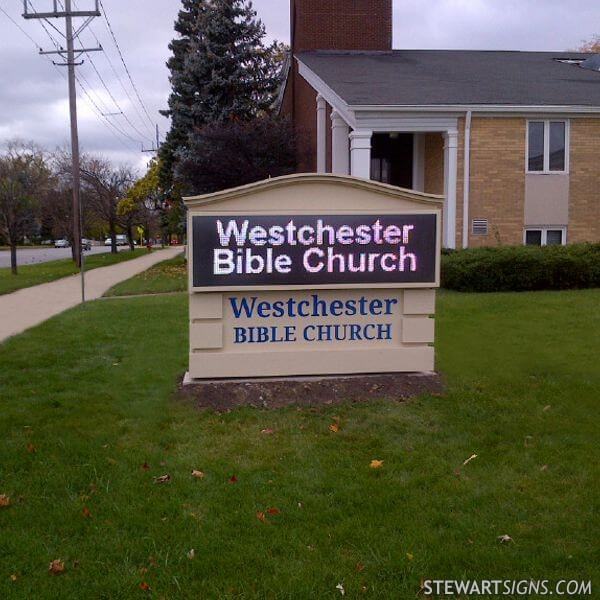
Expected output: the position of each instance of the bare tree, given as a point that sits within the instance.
(104, 186)
(24, 179)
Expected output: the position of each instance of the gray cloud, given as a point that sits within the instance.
(33, 95)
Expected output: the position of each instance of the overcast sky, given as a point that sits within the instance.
(33, 94)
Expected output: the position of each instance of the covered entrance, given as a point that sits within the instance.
(392, 159)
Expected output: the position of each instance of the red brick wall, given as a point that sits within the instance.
(341, 25)
(329, 25)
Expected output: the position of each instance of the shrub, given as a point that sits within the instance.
(522, 268)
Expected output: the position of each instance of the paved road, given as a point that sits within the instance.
(32, 256)
(29, 307)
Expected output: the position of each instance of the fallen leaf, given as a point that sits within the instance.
(299, 504)
(547, 408)
(145, 467)
(86, 512)
(4, 501)
(267, 432)
(57, 567)
(191, 554)
(233, 479)
(472, 457)
(198, 474)
(261, 516)
(505, 539)
(144, 587)
(31, 448)
(410, 556)
(544, 468)
(340, 587)
(360, 567)
(273, 511)
(163, 479)
(376, 464)
(334, 427)
(13, 577)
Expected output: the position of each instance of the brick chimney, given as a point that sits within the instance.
(341, 25)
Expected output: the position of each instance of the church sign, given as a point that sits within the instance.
(312, 275)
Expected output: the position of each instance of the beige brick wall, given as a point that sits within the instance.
(434, 163)
(584, 204)
(434, 171)
(497, 179)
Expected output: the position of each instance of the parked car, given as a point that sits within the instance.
(121, 240)
(62, 244)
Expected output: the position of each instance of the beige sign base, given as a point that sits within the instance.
(226, 394)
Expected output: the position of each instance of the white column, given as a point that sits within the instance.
(340, 149)
(360, 153)
(321, 134)
(450, 179)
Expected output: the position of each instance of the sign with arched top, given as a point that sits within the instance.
(312, 275)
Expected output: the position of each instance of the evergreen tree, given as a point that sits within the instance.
(183, 90)
(221, 71)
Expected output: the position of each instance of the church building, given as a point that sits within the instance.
(511, 139)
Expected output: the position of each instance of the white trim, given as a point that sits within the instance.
(544, 231)
(546, 170)
(467, 179)
(483, 108)
(330, 96)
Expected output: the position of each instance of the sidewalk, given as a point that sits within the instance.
(31, 306)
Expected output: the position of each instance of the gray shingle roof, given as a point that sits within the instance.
(430, 77)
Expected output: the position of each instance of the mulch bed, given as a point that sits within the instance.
(223, 395)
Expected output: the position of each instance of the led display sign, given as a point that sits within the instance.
(314, 250)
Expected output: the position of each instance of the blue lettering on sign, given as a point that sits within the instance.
(315, 307)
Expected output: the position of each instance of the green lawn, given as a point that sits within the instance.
(29, 275)
(166, 276)
(86, 401)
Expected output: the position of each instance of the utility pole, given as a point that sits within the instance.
(154, 149)
(71, 55)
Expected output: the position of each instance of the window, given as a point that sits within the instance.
(546, 236)
(547, 146)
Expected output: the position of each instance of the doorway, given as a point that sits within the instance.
(392, 159)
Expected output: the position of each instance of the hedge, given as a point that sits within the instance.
(522, 268)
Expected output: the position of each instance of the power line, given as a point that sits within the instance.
(116, 73)
(41, 21)
(20, 29)
(88, 98)
(116, 103)
(98, 111)
(114, 37)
